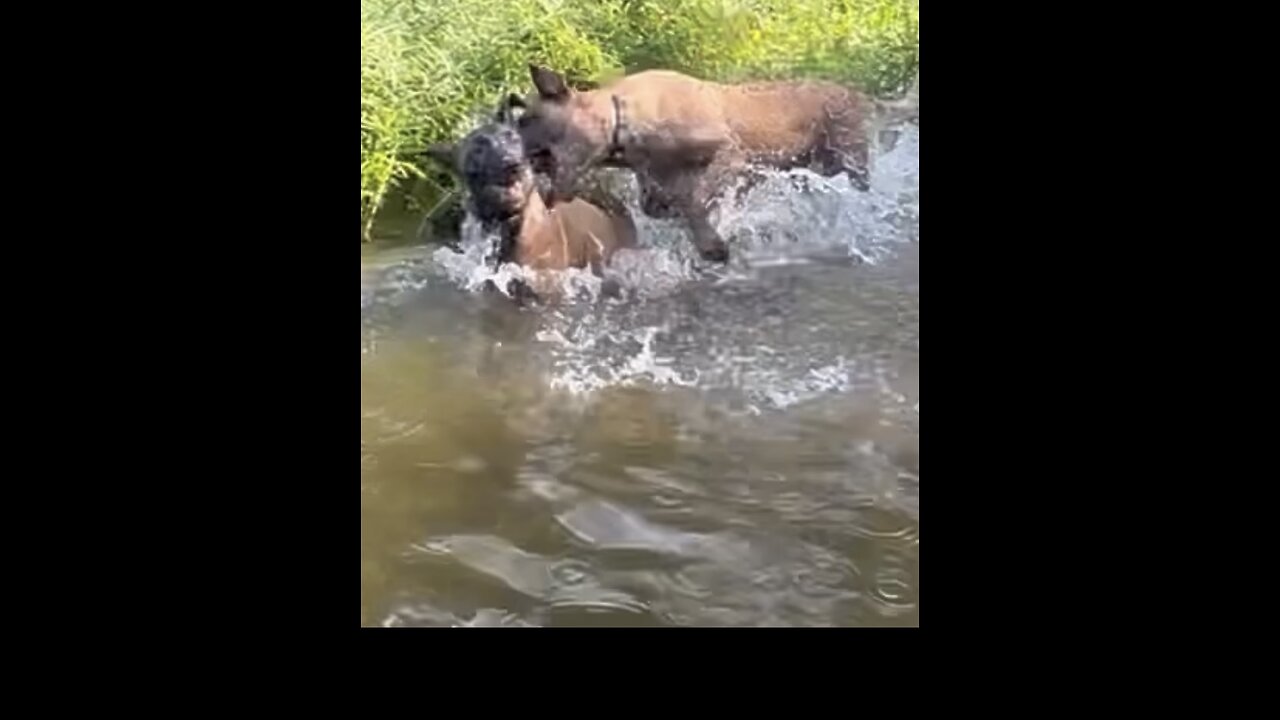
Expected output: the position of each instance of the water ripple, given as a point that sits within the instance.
(733, 446)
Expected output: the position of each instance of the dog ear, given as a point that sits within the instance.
(510, 109)
(549, 83)
(443, 153)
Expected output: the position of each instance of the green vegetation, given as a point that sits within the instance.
(427, 67)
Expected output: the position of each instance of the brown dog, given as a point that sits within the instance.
(502, 194)
(686, 138)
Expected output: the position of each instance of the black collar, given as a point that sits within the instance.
(615, 150)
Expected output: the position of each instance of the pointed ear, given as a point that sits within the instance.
(549, 83)
(510, 109)
(443, 153)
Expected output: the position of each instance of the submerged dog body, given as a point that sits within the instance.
(686, 138)
(502, 194)
(575, 234)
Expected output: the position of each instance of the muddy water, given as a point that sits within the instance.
(731, 447)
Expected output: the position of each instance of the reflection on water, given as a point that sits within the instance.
(737, 447)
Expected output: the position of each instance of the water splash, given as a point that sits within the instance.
(587, 361)
(679, 323)
(783, 217)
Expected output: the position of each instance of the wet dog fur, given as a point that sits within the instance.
(686, 139)
(502, 194)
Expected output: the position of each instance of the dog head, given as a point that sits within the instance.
(565, 131)
(493, 166)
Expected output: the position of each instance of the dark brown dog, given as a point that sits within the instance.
(502, 194)
(686, 138)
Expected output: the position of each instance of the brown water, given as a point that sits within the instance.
(732, 450)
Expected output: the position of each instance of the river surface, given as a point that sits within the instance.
(731, 447)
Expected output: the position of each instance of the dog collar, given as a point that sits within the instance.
(615, 141)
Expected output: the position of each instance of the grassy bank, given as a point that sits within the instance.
(427, 66)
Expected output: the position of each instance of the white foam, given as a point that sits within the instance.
(580, 368)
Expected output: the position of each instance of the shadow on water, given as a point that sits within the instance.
(733, 448)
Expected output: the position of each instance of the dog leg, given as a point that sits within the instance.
(852, 161)
(710, 245)
(846, 149)
(704, 191)
(691, 194)
(653, 199)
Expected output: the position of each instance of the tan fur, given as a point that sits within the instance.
(575, 234)
(503, 193)
(776, 122)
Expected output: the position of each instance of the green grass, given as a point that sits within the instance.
(428, 67)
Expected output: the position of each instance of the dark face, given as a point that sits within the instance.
(561, 134)
(541, 138)
(496, 172)
(492, 164)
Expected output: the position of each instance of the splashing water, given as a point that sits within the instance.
(783, 217)
(816, 215)
(584, 364)
(684, 325)
(720, 446)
